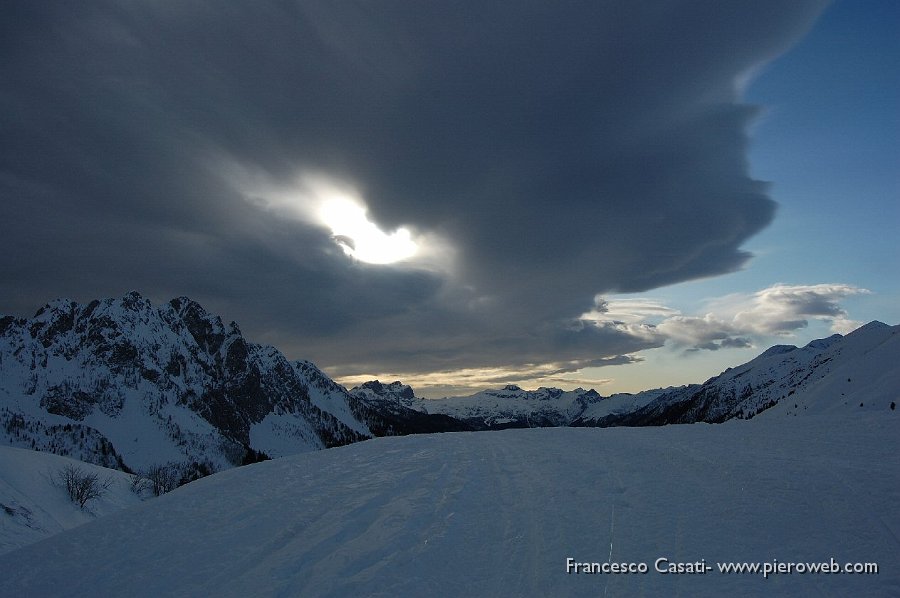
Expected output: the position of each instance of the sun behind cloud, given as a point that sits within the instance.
(361, 238)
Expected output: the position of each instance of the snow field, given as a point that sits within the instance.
(34, 506)
(498, 513)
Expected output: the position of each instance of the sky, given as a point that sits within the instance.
(462, 195)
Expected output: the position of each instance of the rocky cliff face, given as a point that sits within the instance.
(166, 383)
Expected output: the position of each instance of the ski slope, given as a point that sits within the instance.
(498, 513)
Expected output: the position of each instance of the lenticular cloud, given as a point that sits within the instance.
(536, 157)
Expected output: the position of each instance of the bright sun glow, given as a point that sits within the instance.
(362, 239)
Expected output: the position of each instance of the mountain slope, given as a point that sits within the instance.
(122, 383)
(836, 374)
(499, 513)
(816, 376)
(394, 410)
(862, 372)
(33, 504)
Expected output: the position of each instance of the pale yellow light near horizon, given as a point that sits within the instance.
(361, 238)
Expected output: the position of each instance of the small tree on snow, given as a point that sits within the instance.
(82, 486)
(139, 483)
(162, 479)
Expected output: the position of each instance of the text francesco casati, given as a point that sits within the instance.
(665, 566)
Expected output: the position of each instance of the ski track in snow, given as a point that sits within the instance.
(497, 513)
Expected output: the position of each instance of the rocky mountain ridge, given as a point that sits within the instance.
(125, 384)
(150, 384)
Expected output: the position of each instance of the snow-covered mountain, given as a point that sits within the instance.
(501, 514)
(126, 384)
(832, 373)
(513, 407)
(858, 371)
(394, 410)
(624, 403)
(507, 407)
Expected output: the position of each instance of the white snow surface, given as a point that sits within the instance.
(498, 513)
(33, 504)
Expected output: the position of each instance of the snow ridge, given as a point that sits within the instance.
(836, 374)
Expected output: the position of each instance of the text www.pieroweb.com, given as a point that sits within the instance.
(666, 566)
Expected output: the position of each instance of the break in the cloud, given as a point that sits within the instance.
(471, 380)
(733, 321)
(510, 160)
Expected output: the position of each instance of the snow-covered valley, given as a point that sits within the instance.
(499, 513)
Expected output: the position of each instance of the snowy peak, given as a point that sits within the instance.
(821, 344)
(167, 383)
(396, 390)
(876, 326)
(777, 350)
(207, 330)
(870, 335)
(512, 388)
(839, 373)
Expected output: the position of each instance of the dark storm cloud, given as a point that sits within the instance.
(564, 150)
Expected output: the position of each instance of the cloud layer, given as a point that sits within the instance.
(732, 321)
(544, 153)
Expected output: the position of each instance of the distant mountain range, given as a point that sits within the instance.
(126, 384)
(857, 371)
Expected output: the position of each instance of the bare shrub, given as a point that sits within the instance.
(162, 478)
(82, 486)
(139, 483)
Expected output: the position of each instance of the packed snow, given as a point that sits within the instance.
(499, 513)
